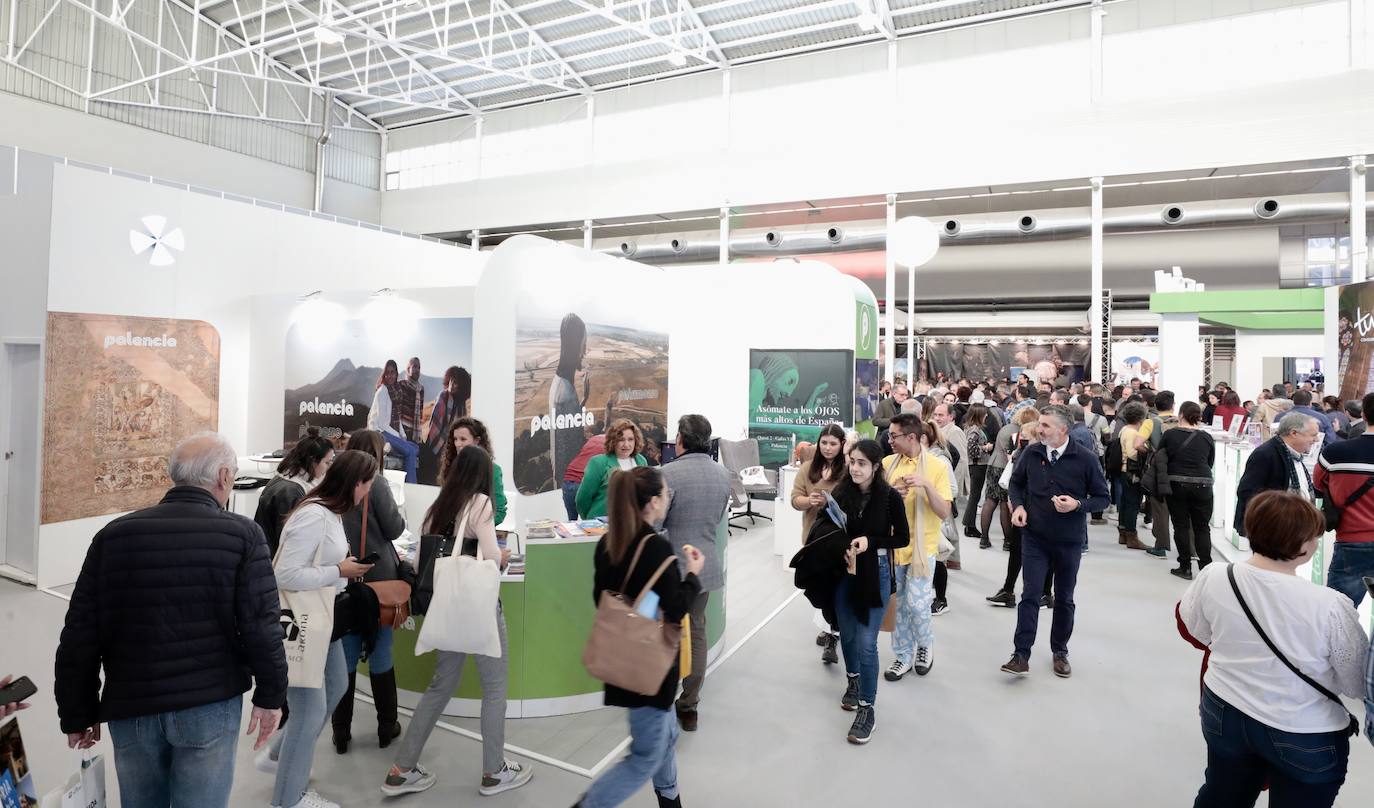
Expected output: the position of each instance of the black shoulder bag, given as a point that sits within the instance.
(1354, 728)
(1332, 514)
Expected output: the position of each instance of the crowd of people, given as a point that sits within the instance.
(882, 522)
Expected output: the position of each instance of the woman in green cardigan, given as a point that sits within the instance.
(465, 431)
(624, 442)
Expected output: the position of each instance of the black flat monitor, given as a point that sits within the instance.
(668, 450)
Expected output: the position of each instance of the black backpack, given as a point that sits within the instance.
(1112, 458)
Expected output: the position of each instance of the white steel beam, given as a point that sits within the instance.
(37, 28)
(644, 28)
(534, 36)
(1359, 241)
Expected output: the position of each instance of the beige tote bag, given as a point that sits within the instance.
(307, 621)
(627, 649)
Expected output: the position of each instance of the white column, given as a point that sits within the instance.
(1098, 373)
(1180, 356)
(1359, 245)
(1357, 33)
(910, 325)
(587, 235)
(890, 294)
(476, 240)
(724, 236)
(1095, 50)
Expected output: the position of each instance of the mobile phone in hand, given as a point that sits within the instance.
(370, 558)
(18, 690)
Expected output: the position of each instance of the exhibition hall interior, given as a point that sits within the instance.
(686, 402)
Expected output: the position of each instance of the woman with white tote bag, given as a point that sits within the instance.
(463, 510)
(313, 564)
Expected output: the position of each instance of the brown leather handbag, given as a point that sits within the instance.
(627, 649)
(393, 597)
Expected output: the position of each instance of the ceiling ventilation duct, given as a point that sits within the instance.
(1025, 227)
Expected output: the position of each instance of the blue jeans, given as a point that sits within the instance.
(185, 757)
(410, 453)
(570, 499)
(1304, 770)
(1038, 557)
(653, 756)
(1350, 562)
(859, 641)
(379, 661)
(310, 711)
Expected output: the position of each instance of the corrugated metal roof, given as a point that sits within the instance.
(500, 51)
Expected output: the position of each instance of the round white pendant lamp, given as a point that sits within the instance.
(913, 241)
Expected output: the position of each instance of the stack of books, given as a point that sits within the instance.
(541, 529)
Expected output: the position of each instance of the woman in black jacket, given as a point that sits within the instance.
(876, 522)
(385, 523)
(1191, 453)
(637, 499)
(297, 474)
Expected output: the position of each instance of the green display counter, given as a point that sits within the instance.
(549, 614)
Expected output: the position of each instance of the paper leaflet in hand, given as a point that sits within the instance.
(835, 512)
(648, 605)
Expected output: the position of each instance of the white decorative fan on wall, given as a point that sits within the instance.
(157, 241)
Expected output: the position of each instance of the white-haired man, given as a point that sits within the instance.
(179, 606)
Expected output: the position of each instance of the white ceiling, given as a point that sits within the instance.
(398, 62)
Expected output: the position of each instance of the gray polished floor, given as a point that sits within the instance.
(1122, 731)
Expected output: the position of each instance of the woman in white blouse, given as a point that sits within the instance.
(316, 527)
(1263, 723)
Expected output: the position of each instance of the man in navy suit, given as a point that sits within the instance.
(1054, 486)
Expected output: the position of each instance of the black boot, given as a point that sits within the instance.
(664, 802)
(343, 717)
(384, 695)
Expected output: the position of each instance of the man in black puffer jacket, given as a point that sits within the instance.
(179, 605)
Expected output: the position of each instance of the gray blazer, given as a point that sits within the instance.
(701, 495)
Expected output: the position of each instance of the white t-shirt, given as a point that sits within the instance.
(1317, 628)
(626, 463)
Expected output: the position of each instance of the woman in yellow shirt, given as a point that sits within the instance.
(923, 480)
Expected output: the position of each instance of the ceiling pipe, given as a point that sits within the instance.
(998, 227)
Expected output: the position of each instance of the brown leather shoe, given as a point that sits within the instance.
(1016, 666)
(688, 719)
(1133, 542)
(1120, 536)
(1062, 668)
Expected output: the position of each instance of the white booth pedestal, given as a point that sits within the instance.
(787, 521)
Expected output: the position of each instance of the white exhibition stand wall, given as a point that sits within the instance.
(234, 252)
(722, 313)
(713, 317)
(1252, 347)
(1180, 356)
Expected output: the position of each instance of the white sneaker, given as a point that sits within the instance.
(897, 670)
(263, 761)
(511, 776)
(925, 660)
(312, 799)
(398, 782)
